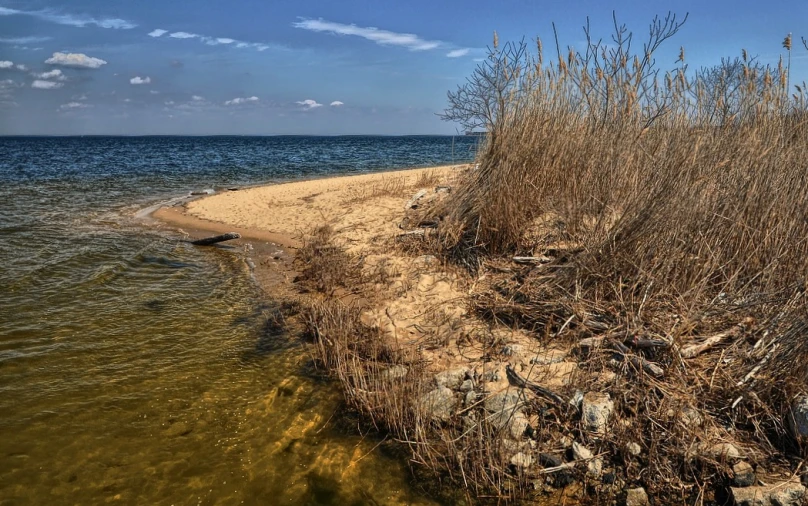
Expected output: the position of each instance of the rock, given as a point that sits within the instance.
(609, 478)
(743, 475)
(439, 403)
(521, 461)
(467, 386)
(451, 378)
(720, 451)
(690, 418)
(548, 357)
(780, 494)
(470, 398)
(596, 409)
(594, 465)
(515, 422)
(798, 421)
(634, 449)
(469, 422)
(512, 349)
(395, 372)
(491, 377)
(507, 400)
(177, 429)
(549, 460)
(636, 497)
(576, 399)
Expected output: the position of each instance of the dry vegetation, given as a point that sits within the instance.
(663, 221)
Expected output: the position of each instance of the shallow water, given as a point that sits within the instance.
(135, 368)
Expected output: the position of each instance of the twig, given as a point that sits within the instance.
(535, 388)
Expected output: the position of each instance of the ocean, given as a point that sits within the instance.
(138, 369)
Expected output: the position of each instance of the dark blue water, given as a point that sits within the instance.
(130, 368)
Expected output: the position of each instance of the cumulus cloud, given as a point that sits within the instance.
(197, 98)
(20, 66)
(309, 103)
(73, 105)
(158, 32)
(239, 100)
(183, 35)
(140, 80)
(382, 37)
(457, 53)
(79, 21)
(45, 85)
(219, 40)
(23, 40)
(6, 64)
(53, 74)
(336, 103)
(79, 60)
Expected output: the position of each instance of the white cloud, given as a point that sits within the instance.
(457, 53)
(73, 105)
(183, 35)
(45, 85)
(309, 103)
(75, 60)
(140, 80)
(239, 100)
(169, 102)
(383, 37)
(20, 66)
(53, 74)
(23, 40)
(6, 64)
(79, 21)
(197, 98)
(336, 103)
(212, 41)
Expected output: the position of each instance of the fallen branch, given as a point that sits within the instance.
(521, 382)
(638, 362)
(411, 204)
(696, 349)
(532, 260)
(216, 239)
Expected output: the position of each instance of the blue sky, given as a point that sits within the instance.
(309, 67)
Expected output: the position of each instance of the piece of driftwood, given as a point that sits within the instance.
(646, 343)
(521, 382)
(695, 350)
(216, 239)
(638, 362)
(412, 233)
(591, 342)
(414, 200)
(532, 260)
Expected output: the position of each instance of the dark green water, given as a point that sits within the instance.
(137, 369)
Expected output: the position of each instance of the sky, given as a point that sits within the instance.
(315, 67)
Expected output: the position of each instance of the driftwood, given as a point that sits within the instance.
(411, 204)
(532, 260)
(696, 349)
(216, 239)
(521, 382)
(638, 362)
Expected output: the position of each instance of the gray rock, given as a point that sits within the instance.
(721, 451)
(596, 409)
(394, 372)
(439, 403)
(549, 460)
(690, 418)
(515, 422)
(522, 460)
(507, 400)
(512, 349)
(549, 357)
(798, 421)
(780, 494)
(451, 378)
(634, 449)
(470, 398)
(636, 497)
(743, 475)
(467, 386)
(594, 465)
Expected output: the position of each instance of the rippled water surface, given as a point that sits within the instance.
(135, 368)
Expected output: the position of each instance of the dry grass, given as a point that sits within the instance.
(657, 225)
(658, 219)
